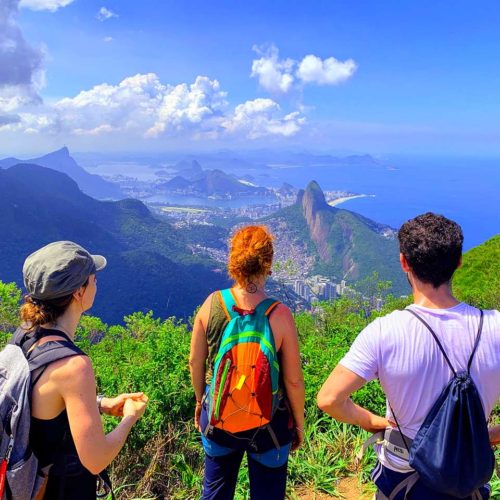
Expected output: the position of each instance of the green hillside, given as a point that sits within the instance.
(345, 245)
(477, 281)
(150, 266)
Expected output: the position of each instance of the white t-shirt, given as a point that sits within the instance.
(401, 352)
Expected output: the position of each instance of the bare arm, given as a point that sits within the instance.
(494, 432)
(199, 350)
(78, 389)
(282, 320)
(334, 399)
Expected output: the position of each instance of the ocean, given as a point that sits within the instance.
(464, 189)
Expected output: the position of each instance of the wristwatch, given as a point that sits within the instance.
(99, 399)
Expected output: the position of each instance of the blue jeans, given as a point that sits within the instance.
(267, 472)
(386, 480)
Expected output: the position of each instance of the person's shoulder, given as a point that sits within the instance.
(281, 311)
(207, 303)
(492, 314)
(73, 369)
(492, 321)
(392, 319)
(386, 328)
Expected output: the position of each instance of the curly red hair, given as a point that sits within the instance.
(251, 254)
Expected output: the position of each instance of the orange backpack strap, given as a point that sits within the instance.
(228, 302)
(267, 306)
(218, 294)
(272, 307)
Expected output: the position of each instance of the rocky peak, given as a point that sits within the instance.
(314, 207)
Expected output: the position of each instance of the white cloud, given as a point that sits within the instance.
(21, 65)
(325, 72)
(104, 14)
(51, 5)
(274, 75)
(19, 61)
(142, 106)
(260, 118)
(281, 76)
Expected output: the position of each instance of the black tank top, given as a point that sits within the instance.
(49, 438)
(52, 444)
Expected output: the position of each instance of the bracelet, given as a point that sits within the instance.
(300, 430)
(198, 402)
(99, 399)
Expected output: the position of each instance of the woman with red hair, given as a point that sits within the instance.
(229, 352)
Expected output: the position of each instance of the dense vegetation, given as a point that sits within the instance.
(150, 264)
(478, 280)
(163, 456)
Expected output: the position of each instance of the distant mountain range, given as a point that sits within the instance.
(149, 263)
(345, 245)
(193, 180)
(60, 160)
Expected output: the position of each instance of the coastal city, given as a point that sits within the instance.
(293, 278)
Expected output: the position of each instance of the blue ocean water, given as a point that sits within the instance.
(466, 190)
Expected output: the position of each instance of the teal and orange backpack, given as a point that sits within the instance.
(244, 392)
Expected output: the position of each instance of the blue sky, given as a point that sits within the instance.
(406, 77)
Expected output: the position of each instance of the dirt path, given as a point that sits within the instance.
(349, 489)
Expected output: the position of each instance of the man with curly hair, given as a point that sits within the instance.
(400, 352)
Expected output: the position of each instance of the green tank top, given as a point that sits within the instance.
(217, 322)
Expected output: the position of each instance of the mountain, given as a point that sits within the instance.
(60, 160)
(477, 281)
(213, 183)
(345, 245)
(287, 189)
(150, 265)
(190, 170)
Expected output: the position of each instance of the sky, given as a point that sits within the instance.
(385, 77)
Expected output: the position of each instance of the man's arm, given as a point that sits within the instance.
(334, 399)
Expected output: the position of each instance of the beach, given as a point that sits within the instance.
(343, 199)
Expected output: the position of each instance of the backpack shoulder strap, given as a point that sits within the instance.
(267, 306)
(42, 356)
(478, 336)
(422, 320)
(228, 301)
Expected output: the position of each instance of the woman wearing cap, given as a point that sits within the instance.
(66, 429)
(250, 262)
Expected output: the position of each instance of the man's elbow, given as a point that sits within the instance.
(328, 403)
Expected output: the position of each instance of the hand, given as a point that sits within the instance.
(298, 439)
(494, 433)
(197, 413)
(378, 424)
(114, 406)
(135, 408)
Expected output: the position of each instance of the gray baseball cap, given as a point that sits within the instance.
(58, 269)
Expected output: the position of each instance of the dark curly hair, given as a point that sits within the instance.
(432, 246)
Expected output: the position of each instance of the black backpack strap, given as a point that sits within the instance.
(422, 320)
(42, 356)
(476, 343)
